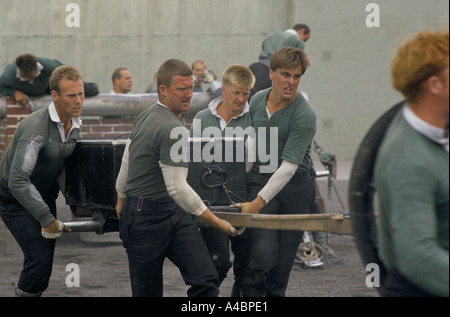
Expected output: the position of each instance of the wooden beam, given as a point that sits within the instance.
(333, 223)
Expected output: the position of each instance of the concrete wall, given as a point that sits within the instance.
(349, 82)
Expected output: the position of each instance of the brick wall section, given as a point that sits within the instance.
(110, 128)
(14, 115)
(93, 127)
(106, 128)
(3, 139)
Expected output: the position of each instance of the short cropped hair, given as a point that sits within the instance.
(238, 75)
(63, 72)
(419, 58)
(171, 68)
(288, 58)
(302, 26)
(117, 74)
(27, 63)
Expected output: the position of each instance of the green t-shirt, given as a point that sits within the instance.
(295, 125)
(9, 83)
(158, 136)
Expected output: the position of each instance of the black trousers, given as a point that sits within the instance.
(165, 231)
(272, 252)
(38, 252)
(218, 245)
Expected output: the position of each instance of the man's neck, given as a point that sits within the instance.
(165, 104)
(225, 113)
(431, 112)
(275, 102)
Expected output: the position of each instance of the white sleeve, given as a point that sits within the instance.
(250, 153)
(121, 180)
(278, 180)
(179, 189)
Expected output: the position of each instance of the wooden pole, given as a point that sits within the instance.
(333, 223)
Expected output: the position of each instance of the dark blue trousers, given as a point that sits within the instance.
(218, 245)
(165, 231)
(272, 252)
(38, 251)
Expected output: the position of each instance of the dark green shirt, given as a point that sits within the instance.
(208, 118)
(9, 82)
(412, 182)
(296, 127)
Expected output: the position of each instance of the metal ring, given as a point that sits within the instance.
(238, 205)
(140, 204)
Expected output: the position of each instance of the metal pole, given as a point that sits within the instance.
(88, 225)
(115, 105)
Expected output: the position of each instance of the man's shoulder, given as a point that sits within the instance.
(203, 114)
(278, 35)
(10, 71)
(402, 146)
(305, 106)
(162, 119)
(259, 99)
(36, 123)
(49, 62)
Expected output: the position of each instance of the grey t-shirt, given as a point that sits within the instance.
(151, 143)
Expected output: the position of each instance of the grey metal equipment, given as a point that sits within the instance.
(328, 160)
(116, 105)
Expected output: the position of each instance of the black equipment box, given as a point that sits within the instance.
(216, 172)
(91, 173)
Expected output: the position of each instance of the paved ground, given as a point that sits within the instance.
(103, 266)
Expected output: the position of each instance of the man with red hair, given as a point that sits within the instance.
(412, 172)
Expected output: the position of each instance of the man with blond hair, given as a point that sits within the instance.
(412, 172)
(229, 111)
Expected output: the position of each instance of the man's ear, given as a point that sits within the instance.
(433, 85)
(54, 95)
